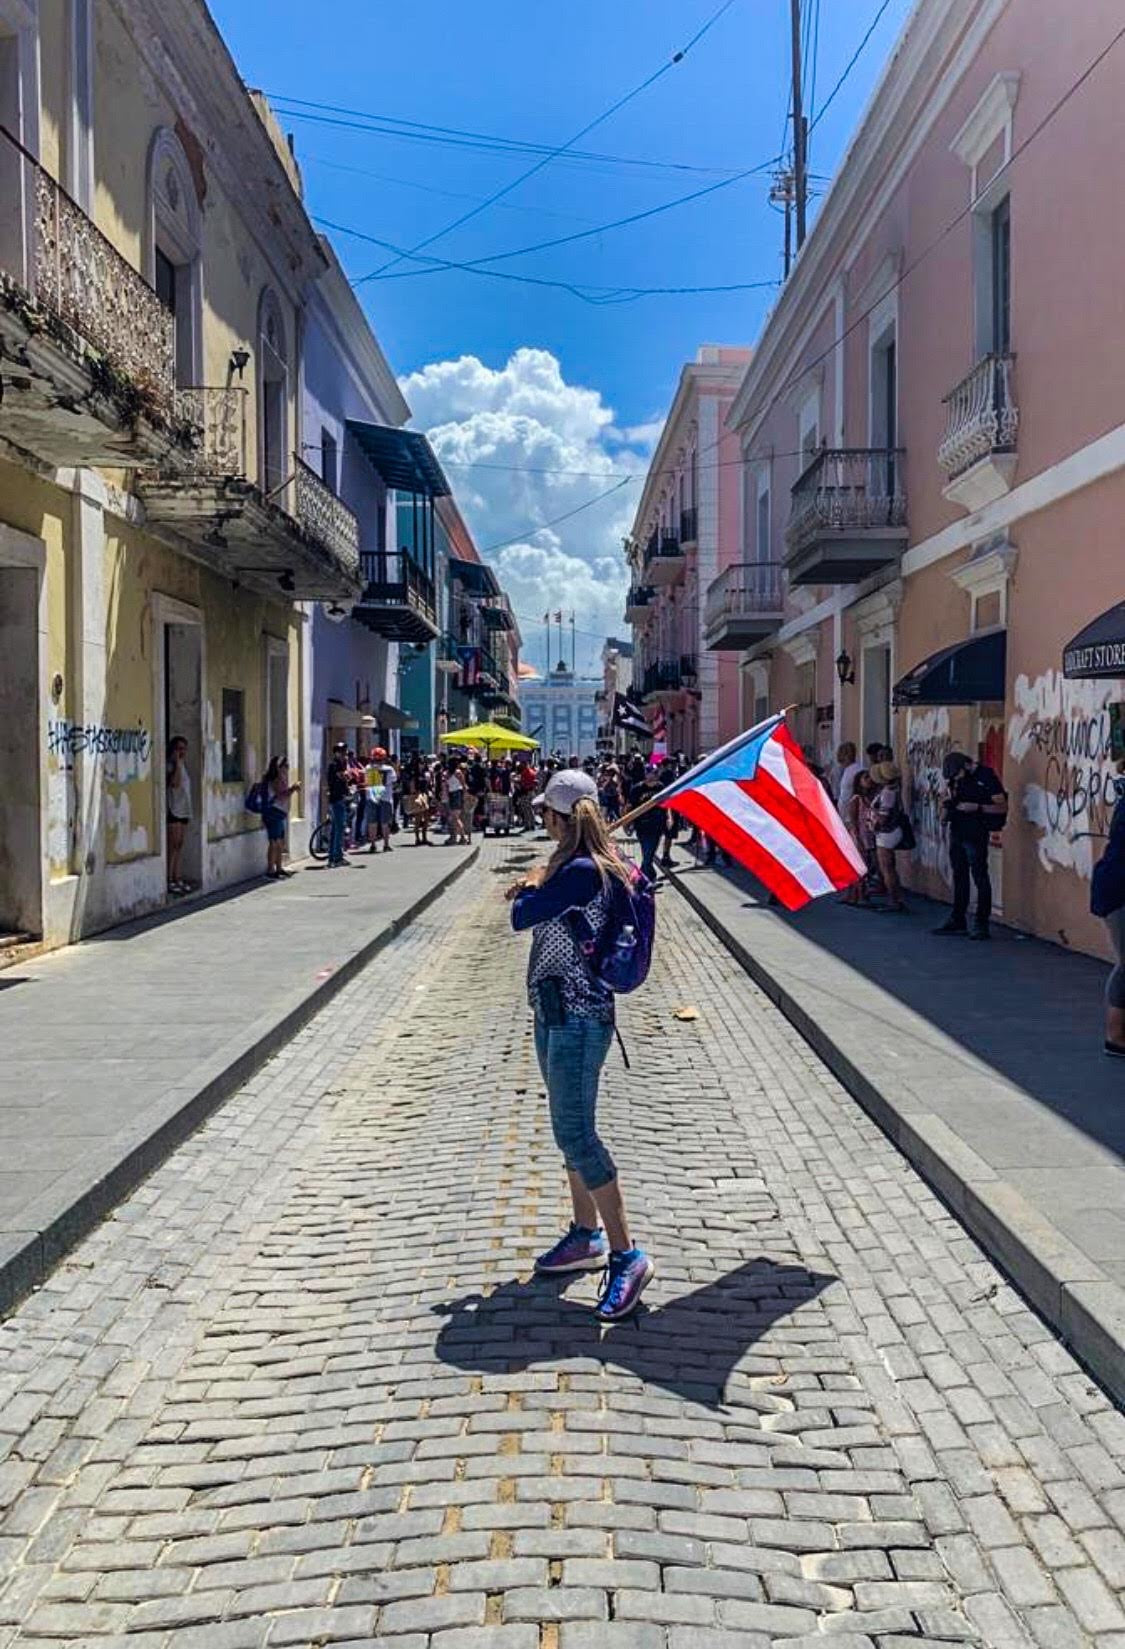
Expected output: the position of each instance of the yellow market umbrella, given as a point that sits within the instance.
(490, 736)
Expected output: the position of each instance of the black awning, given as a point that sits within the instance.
(475, 576)
(1098, 651)
(404, 458)
(969, 672)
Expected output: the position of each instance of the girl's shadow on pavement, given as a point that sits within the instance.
(689, 1346)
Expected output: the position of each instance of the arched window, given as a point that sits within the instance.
(273, 393)
(173, 253)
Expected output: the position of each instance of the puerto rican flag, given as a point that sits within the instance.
(758, 800)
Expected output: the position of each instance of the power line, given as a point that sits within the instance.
(542, 526)
(432, 189)
(545, 160)
(363, 120)
(585, 290)
(582, 234)
(852, 61)
(959, 217)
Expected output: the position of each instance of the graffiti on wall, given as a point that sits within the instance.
(125, 750)
(927, 745)
(1060, 734)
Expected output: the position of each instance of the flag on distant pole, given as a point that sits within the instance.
(757, 799)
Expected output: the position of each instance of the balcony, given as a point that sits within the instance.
(446, 657)
(689, 528)
(398, 597)
(639, 603)
(848, 516)
(497, 615)
(662, 680)
(978, 451)
(298, 537)
(87, 355)
(743, 606)
(664, 560)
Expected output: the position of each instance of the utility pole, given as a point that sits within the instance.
(800, 130)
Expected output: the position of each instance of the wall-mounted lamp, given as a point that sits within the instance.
(239, 361)
(844, 668)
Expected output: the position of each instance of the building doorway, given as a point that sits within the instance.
(21, 857)
(183, 718)
(876, 688)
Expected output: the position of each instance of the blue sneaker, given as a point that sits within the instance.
(579, 1250)
(626, 1278)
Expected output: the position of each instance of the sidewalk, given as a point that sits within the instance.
(115, 1049)
(983, 1063)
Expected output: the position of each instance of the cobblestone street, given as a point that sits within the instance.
(299, 1389)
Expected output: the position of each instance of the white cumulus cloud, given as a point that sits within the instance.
(522, 447)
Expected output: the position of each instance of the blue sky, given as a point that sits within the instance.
(514, 377)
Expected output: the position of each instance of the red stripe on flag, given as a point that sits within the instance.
(811, 792)
(741, 846)
(803, 823)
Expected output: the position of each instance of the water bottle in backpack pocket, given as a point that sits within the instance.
(621, 954)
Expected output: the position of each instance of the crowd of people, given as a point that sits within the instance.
(868, 794)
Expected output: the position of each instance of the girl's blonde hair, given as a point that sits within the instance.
(585, 832)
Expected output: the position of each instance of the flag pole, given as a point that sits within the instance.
(655, 801)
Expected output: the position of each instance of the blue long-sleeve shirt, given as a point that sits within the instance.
(555, 951)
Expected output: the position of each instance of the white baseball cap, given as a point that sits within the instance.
(566, 789)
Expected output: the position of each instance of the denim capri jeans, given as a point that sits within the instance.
(571, 1056)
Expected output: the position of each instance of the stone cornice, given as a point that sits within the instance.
(697, 378)
(338, 310)
(184, 52)
(923, 65)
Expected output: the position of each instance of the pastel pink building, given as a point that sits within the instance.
(686, 534)
(933, 435)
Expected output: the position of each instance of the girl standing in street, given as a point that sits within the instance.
(178, 812)
(276, 791)
(889, 828)
(574, 1024)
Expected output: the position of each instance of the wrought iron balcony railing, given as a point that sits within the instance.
(77, 276)
(326, 517)
(848, 490)
(216, 419)
(638, 600)
(689, 668)
(749, 589)
(393, 578)
(981, 418)
(662, 546)
(663, 677)
(689, 525)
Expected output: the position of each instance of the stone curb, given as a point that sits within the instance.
(1064, 1285)
(60, 1218)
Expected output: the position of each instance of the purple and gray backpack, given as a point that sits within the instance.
(621, 954)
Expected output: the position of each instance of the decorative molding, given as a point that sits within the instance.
(882, 282)
(988, 569)
(991, 117)
(877, 611)
(809, 383)
(182, 51)
(803, 648)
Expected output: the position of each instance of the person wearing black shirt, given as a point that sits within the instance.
(339, 788)
(976, 804)
(649, 827)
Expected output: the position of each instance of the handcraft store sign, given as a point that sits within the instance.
(1098, 651)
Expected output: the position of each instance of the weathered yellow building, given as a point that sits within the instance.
(160, 536)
